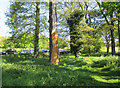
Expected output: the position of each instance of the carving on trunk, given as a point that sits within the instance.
(54, 56)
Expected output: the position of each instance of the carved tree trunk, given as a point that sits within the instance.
(53, 33)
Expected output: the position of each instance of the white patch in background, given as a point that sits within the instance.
(4, 29)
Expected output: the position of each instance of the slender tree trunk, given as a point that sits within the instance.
(89, 51)
(107, 48)
(119, 34)
(112, 36)
(53, 33)
(86, 12)
(37, 26)
(112, 30)
(71, 41)
(50, 31)
(112, 42)
(107, 43)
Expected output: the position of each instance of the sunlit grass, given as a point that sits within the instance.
(21, 70)
(104, 49)
(105, 79)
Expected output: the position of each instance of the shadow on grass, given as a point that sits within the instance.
(16, 58)
(99, 64)
(76, 63)
(100, 54)
(40, 72)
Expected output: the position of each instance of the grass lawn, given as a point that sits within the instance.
(104, 49)
(24, 70)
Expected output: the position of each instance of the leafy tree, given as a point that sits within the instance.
(63, 12)
(24, 17)
(62, 43)
(107, 10)
(2, 39)
(20, 18)
(117, 5)
(26, 41)
(89, 23)
(8, 43)
(105, 32)
(91, 44)
(43, 42)
(75, 34)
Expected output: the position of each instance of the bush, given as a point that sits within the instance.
(92, 47)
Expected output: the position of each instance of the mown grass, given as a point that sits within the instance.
(24, 70)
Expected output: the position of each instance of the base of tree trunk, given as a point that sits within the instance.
(54, 55)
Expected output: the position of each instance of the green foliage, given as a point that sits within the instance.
(117, 43)
(27, 41)
(88, 38)
(18, 20)
(109, 63)
(23, 18)
(1, 41)
(92, 45)
(8, 43)
(75, 33)
(43, 42)
(61, 43)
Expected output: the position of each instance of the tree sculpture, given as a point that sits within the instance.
(53, 33)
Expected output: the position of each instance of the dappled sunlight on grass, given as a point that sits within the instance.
(70, 67)
(26, 62)
(105, 79)
(24, 70)
(104, 49)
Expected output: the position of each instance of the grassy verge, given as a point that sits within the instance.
(24, 70)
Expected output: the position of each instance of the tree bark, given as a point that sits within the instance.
(50, 29)
(112, 42)
(107, 48)
(112, 36)
(89, 51)
(37, 26)
(86, 12)
(53, 33)
(107, 43)
(119, 35)
(71, 41)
